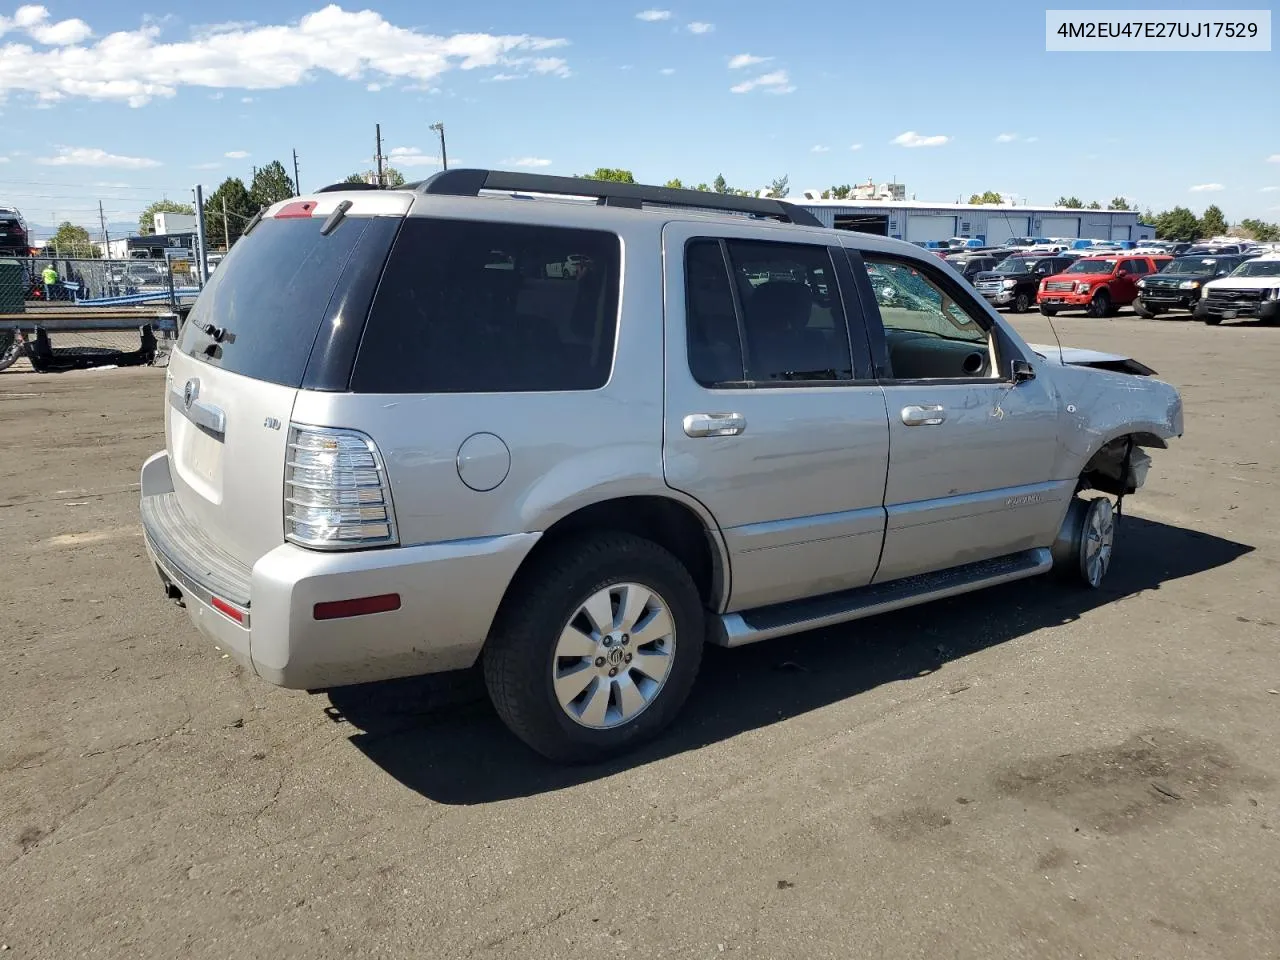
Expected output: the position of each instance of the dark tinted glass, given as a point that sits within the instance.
(794, 323)
(715, 347)
(478, 307)
(269, 296)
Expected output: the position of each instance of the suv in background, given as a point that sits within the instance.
(1014, 282)
(1251, 291)
(1097, 285)
(410, 429)
(970, 265)
(1177, 286)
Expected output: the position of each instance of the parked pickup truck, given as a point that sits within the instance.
(1251, 291)
(1097, 285)
(1014, 282)
(1177, 286)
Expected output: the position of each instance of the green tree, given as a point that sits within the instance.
(1260, 230)
(1094, 205)
(233, 196)
(1072, 202)
(1177, 224)
(837, 193)
(356, 178)
(719, 184)
(71, 240)
(674, 184)
(1213, 223)
(271, 184)
(391, 178)
(616, 174)
(780, 187)
(987, 196)
(146, 219)
(703, 187)
(1118, 203)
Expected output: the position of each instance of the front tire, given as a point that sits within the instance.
(596, 649)
(1100, 305)
(1048, 311)
(1211, 321)
(1021, 303)
(1083, 551)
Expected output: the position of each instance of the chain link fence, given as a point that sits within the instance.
(80, 312)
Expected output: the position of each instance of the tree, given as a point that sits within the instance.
(703, 187)
(240, 210)
(356, 178)
(1118, 203)
(987, 196)
(72, 241)
(1072, 202)
(780, 187)
(719, 184)
(1260, 230)
(271, 184)
(616, 174)
(1177, 224)
(674, 184)
(1094, 205)
(391, 177)
(146, 219)
(1213, 223)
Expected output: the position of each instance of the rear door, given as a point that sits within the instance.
(284, 292)
(772, 418)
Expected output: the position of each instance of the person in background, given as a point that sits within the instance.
(50, 277)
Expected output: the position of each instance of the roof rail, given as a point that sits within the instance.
(469, 183)
(335, 187)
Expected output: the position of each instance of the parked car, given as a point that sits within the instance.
(1251, 291)
(1177, 286)
(970, 267)
(384, 458)
(1098, 285)
(1212, 249)
(1014, 282)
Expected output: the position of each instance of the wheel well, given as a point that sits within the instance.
(669, 524)
(1105, 470)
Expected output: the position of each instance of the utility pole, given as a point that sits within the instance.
(444, 156)
(226, 227)
(202, 247)
(106, 239)
(377, 132)
(297, 185)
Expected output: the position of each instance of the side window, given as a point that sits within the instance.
(928, 334)
(1134, 266)
(484, 307)
(713, 341)
(791, 313)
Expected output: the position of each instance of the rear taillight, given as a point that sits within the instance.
(336, 492)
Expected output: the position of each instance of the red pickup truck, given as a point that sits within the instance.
(1097, 285)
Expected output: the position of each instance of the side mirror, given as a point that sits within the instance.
(1022, 371)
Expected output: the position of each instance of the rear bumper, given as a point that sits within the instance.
(449, 593)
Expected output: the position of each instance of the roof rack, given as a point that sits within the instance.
(335, 187)
(469, 183)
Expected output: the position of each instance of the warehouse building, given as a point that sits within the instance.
(919, 221)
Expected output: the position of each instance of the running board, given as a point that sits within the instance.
(796, 616)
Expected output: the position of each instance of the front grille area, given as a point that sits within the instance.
(1235, 296)
(1243, 303)
(1060, 286)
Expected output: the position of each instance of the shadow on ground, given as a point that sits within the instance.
(438, 735)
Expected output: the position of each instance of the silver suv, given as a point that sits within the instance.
(488, 417)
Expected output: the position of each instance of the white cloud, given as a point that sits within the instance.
(94, 157)
(699, 26)
(411, 157)
(653, 16)
(855, 146)
(913, 139)
(136, 66)
(667, 71)
(1270, 189)
(746, 60)
(775, 82)
(4, 159)
(236, 154)
(1206, 188)
(527, 162)
(819, 148)
(1274, 158)
(504, 77)
(373, 87)
(33, 20)
(1006, 138)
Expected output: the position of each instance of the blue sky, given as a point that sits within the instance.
(125, 103)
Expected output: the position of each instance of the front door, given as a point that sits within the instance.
(772, 420)
(972, 452)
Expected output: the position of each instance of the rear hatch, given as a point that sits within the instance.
(284, 310)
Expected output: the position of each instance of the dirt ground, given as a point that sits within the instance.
(1031, 771)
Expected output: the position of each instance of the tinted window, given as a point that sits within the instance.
(714, 344)
(791, 312)
(476, 307)
(269, 296)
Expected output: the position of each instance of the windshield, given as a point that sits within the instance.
(1195, 265)
(1015, 266)
(1258, 268)
(1091, 266)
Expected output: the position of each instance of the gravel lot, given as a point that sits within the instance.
(1025, 772)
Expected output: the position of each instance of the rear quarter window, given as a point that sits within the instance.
(488, 307)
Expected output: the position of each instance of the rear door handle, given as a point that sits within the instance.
(926, 415)
(714, 424)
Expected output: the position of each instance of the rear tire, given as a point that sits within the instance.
(549, 655)
(1211, 321)
(1146, 314)
(11, 348)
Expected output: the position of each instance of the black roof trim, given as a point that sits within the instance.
(336, 187)
(469, 183)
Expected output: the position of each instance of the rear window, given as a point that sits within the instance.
(269, 297)
(484, 307)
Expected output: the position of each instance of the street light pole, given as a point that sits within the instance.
(444, 157)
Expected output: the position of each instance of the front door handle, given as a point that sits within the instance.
(926, 415)
(714, 424)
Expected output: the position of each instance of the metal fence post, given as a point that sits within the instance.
(202, 250)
